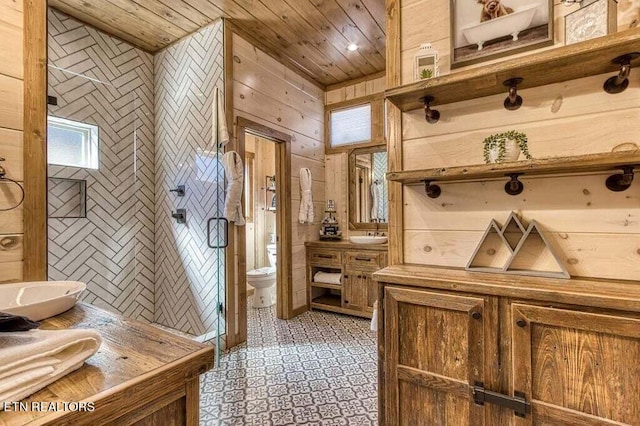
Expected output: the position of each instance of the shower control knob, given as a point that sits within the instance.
(180, 216)
(180, 190)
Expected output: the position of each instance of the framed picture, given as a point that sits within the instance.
(489, 29)
(596, 19)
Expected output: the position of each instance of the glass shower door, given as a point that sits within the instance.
(210, 184)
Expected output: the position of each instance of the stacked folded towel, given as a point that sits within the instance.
(328, 277)
(31, 360)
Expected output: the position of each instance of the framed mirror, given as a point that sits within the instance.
(368, 189)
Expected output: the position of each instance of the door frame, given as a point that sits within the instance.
(237, 290)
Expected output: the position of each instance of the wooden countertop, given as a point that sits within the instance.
(136, 364)
(601, 293)
(346, 244)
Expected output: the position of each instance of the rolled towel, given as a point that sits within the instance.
(10, 323)
(32, 360)
(328, 278)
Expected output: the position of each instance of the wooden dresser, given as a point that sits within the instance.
(470, 348)
(356, 263)
(141, 375)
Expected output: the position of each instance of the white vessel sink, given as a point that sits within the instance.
(39, 300)
(367, 239)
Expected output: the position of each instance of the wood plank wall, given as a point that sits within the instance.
(596, 232)
(268, 93)
(11, 138)
(337, 165)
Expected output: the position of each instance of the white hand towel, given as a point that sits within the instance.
(306, 198)
(31, 360)
(220, 131)
(234, 170)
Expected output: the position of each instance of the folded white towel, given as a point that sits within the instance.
(31, 360)
(327, 278)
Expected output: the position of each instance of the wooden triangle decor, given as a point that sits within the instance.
(513, 231)
(493, 252)
(514, 250)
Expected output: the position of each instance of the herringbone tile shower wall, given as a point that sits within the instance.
(187, 271)
(101, 80)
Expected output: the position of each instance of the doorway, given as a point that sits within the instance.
(237, 288)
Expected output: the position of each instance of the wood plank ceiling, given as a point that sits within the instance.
(309, 35)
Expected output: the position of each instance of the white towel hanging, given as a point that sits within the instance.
(234, 172)
(306, 199)
(220, 132)
(375, 202)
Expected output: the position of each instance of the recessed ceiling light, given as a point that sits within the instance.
(352, 47)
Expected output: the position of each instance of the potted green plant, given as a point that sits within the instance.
(505, 147)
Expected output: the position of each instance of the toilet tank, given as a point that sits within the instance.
(271, 254)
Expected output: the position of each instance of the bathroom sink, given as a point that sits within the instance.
(39, 300)
(367, 239)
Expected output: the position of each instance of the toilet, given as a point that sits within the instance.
(263, 280)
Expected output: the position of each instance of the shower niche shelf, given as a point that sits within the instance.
(67, 198)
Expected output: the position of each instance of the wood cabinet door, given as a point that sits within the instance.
(371, 292)
(576, 368)
(434, 354)
(353, 291)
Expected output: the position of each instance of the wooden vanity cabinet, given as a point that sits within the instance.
(459, 349)
(357, 292)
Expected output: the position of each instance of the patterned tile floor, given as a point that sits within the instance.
(316, 369)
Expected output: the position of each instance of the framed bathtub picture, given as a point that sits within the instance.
(487, 29)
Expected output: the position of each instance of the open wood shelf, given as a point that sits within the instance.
(564, 63)
(560, 165)
(327, 285)
(328, 299)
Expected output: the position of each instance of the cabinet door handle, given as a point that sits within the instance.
(346, 276)
(324, 256)
(364, 259)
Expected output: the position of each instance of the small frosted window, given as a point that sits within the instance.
(351, 125)
(72, 143)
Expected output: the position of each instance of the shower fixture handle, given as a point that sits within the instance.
(180, 190)
(180, 216)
